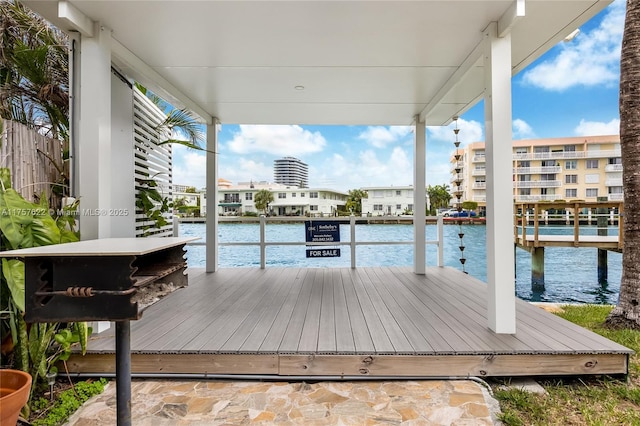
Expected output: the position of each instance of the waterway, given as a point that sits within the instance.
(570, 273)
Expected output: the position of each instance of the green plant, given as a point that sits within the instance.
(23, 225)
(66, 404)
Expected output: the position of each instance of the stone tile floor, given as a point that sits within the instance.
(215, 402)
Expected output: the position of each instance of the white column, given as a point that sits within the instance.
(212, 198)
(94, 134)
(500, 254)
(419, 196)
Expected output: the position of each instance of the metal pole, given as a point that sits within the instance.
(440, 238)
(263, 247)
(123, 372)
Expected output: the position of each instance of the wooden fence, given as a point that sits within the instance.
(34, 161)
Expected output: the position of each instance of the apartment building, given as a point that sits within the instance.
(388, 200)
(575, 168)
(287, 200)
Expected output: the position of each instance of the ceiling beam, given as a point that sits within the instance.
(510, 17)
(139, 70)
(454, 79)
(75, 19)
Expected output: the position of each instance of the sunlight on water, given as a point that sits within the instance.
(570, 273)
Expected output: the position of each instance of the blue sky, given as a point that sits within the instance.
(572, 90)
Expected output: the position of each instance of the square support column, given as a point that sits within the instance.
(211, 257)
(419, 196)
(498, 136)
(93, 141)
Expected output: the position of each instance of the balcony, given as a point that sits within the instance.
(479, 185)
(480, 198)
(537, 184)
(456, 177)
(479, 158)
(616, 197)
(613, 168)
(538, 170)
(567, 155)
(479, 172)
(456, 165)
(534, 198)
(613, 182)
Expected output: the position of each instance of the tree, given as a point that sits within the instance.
(354, 201)
(439, 196)
(627, 311)
(262, 199)
(34, 71)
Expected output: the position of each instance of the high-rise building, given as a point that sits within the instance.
(291, 171)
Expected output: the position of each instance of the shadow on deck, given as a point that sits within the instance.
(346, 323)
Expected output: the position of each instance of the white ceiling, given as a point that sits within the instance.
(360, 62)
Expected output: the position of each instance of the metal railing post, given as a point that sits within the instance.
(263, 246)
(440, 238)
(176, 226)
(352, 224)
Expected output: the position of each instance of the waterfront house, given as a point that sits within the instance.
(388, 200)
(414, 63)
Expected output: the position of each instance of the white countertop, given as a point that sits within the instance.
(102, 247)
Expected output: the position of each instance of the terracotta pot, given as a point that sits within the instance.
(15, 386)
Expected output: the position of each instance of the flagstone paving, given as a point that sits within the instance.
(214, 402)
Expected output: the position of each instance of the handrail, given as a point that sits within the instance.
(352, 243)
(605, 214)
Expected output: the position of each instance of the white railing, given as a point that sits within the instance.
(567, 155)
(456, 176)
(537, 184)
(613, 182)
(616, 197)
(456, 165)
(537, 170)
(479, 185)
(479, 158)
(479, 172)
(537, 197)
(480, 198)
(613, 168)
(352, 243)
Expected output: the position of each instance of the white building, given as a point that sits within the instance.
(287, 200)
(388, 200)
(291, 171)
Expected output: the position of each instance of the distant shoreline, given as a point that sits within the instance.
(388, 220)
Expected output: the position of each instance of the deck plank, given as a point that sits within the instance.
(380, 320)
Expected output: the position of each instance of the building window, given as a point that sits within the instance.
(547, 177)
(398, 207)
(592, 164)
(313, 208)
(302, 194)
(549, 163)
(616, 160)
(524, 164)
(615, 190)
(571, 179)
(282, 195)
(569, 148)
(248, 196)
(571, 165)
(521, 150)
(377, 207)
(410, 207)
(591, 178)
(398, 193)
(592, 192)
(293, 195)
(571, 193)
(313, 195)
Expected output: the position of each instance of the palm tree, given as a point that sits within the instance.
(439, 196)
(262, 199)
(354, 201)
(627, 312)
(34, 77)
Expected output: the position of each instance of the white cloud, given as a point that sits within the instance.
(522, 130)
(470, 131)
(244, 170)
(189, 167)
(590, 59)
(380, 136)
(598, 128)
(276, 140)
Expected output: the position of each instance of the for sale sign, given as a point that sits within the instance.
(322, 231)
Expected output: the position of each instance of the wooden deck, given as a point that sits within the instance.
(343, 322)
(605, 242)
